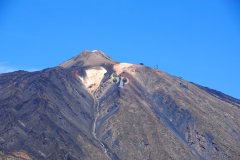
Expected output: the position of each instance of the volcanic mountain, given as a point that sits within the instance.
(94, 108)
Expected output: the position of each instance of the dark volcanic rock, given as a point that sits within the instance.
(81, 110)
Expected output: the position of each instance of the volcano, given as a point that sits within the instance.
(94, 108)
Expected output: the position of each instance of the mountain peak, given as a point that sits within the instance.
(88, 59)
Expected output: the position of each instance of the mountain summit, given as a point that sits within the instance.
(92, 107)
(88, 58)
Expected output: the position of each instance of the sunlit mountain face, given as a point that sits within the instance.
(94, 108)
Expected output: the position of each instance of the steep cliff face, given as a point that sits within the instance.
(92, 107)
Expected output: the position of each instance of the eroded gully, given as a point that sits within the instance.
(94, 131)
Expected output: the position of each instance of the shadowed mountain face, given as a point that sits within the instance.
(92, 107)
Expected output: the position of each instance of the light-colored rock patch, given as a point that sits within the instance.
(119, 68)
(21, 155)
(93, 78)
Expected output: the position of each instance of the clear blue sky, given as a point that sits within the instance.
(198, 40)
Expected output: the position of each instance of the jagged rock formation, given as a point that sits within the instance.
(92, 107)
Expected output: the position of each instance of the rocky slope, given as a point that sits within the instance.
(92, 107)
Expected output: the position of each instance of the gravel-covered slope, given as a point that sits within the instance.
(136, 112)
